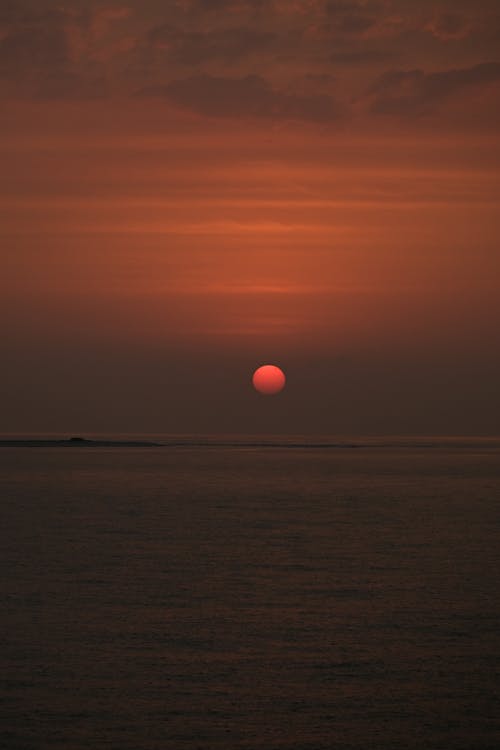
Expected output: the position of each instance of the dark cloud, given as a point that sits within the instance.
(212, 5)
(320, 79)
(217, 5)
(449, 26)
(225, 45)
(34, 43)
(246, 97)
(352, 17)
(415, 92)
(89, 47)
(16, 11)
(10, 12)
(44, 52)
(360, 57)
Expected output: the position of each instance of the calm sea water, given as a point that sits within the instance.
(218, 597)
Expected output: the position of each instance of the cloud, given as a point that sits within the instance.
(90, 47)
(248, 97)
(360, 57)
(448, 26)
(102, 19)
(226, 45)
(415, 92)
(38, 43)
(352, 17)
(214, 5)
(218, 5)
(56, 53)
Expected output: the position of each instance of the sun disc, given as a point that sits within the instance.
(268, 380)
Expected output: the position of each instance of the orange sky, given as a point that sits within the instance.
(190, 192)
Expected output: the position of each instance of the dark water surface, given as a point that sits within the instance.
(216, 597)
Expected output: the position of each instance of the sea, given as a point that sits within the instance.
(218, 593)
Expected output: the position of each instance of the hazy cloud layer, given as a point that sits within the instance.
(251, 96)
(450, 26)
(360, 57)
(36, 42)
(225, 45)
(416, 92)
(354, 17)
(254, 58)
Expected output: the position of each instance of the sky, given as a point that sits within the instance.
(191, 189)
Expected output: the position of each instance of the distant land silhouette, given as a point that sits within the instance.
(76, 442)
(253, 442)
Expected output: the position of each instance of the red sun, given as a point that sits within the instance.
(268, 380)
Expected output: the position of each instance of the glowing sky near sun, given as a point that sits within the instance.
(235, 182)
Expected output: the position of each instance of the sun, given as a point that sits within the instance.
(268, 380)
